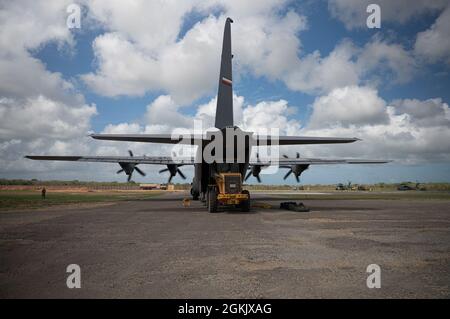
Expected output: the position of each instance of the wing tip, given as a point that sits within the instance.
(96, 136)
(355, 139)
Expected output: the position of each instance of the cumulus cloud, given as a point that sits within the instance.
(40, 111)
(431, 112)
(353, 12)
(131, 62)
(434, 43)
(186, 69)
(164, 110)
(315, 73)
(28, 24)
(351, 105)
(151, 25)
(164, 115)
(378, 61)
(270, 114)
(41, 115)
(266, 43)
(400, 130)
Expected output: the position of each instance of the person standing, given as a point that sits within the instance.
(43, 192)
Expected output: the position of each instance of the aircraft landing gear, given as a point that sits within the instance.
(195, 195)
(212, 200)
(203, 197)
(245, 205)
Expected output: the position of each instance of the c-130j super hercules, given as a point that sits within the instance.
(218, 181)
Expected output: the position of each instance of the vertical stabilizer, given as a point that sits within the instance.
(224, 109)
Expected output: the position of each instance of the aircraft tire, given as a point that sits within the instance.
(212, 200)
(195, 195)
(245, 205)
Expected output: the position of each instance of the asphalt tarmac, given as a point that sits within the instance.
(157, 248)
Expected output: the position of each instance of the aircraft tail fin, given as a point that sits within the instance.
(224, 109)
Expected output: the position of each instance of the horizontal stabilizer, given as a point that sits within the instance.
(296, 140)
(196, 138)
(150, 138)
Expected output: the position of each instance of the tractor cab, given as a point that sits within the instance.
(227, 191)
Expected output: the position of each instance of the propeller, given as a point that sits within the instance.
(255, 170)
(296, 156)
(128, 168)
(173, 169)
(296, 169)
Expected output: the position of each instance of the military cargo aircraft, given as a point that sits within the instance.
(218, 180)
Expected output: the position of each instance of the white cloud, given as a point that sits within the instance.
(270, 114)
(23, 76)
(186, 69)
(266, 43)
(131, 61)
(40, 112)
(406, 135)
(379, 61)
(351, 105)
(320, 74)
(383, 61)
(434, 43)
(164, 115)
(150, 25)
(28, 24)
(163, 110)
(431, 112)
(122, 128)
(44, 118)
(123, 68)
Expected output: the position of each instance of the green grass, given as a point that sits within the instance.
(406, 195)
(14, 200)
(22, 200)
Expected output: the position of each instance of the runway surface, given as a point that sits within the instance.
(157, 248)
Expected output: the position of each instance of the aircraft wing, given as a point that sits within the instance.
(166, 160)
(162, 160)
(314, 161)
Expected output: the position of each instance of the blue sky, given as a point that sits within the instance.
(316, 29)
(323, 35)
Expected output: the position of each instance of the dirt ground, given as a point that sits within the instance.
(156, 248)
